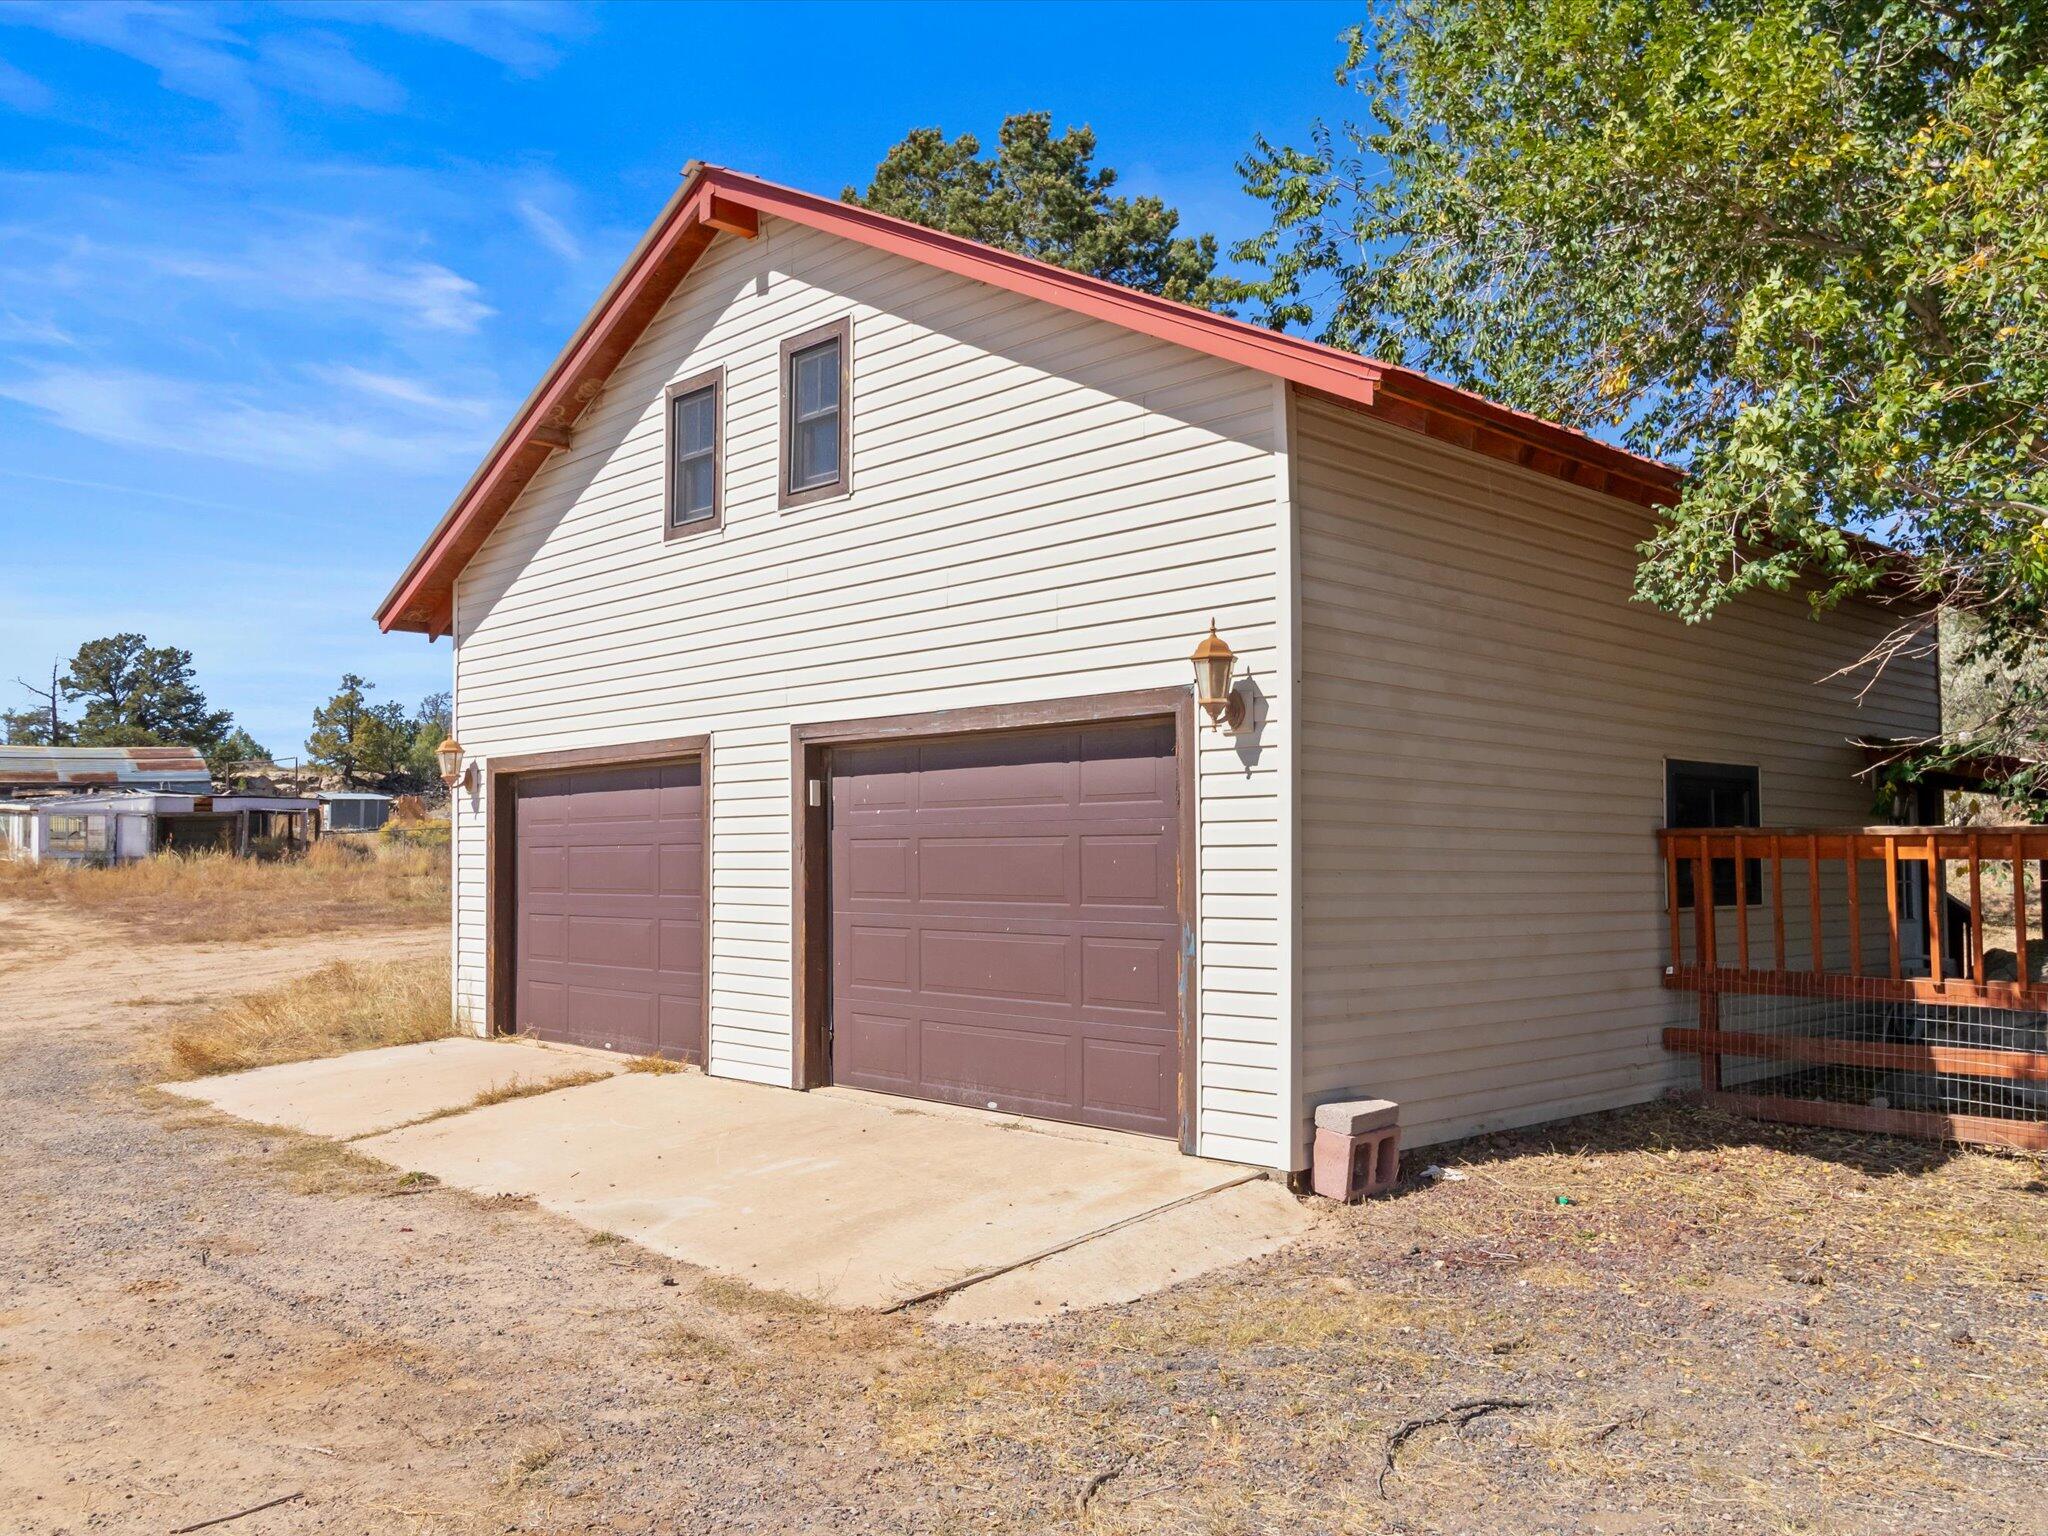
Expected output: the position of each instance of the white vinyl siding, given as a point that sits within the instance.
(1044, 506)
(1486, 718)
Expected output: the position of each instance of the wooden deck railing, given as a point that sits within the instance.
(1739, 942)
(1861, 915)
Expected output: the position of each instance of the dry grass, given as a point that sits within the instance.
(187, 897)
(504, 1093)
(1728, 1327)
(338, 1008)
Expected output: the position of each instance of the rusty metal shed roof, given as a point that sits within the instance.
(179, 768)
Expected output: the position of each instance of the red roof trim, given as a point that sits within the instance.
(712, 199)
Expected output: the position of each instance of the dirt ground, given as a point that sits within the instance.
(1682, 1323)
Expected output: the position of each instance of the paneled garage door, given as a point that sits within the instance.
(609, 877)
(1005, 928)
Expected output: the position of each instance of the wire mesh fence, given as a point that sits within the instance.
(1885, 979)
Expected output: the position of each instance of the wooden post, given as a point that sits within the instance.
(2019, 913)
(1741, 902)
(1703, 905)
(1671, 904)
(1855, 905)
(1778, 901)
(1976, 909)
(1891, 900)
(1937, 910)
(1813, 901)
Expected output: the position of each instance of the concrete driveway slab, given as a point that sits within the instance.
(370, 1091)
(848, 1199)
(1210, 1232)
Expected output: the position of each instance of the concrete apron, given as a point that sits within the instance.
(857, 1200)
(369, 1091)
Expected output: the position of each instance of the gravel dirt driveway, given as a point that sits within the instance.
(1719, 1328)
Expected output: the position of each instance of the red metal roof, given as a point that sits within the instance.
(714, 201)
(95, 767)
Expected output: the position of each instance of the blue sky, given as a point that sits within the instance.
(272, 278)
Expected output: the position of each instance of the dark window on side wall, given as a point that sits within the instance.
(695, 453)
(1715, 795)
(815, 439)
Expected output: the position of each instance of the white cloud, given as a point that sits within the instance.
(145, 410)
(400, 390)
(320, 65)
(550, 231)
(190, 51)
(23, 91)
(518, 34)
(33, 331)
(315, 266)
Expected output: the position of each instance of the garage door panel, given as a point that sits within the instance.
(1010, 870)
(1123, 1080)
(613, 869)
(967, 1061)
(879, 957)
(876, 868)
(879, 1049)
(608, 874)
(623, 943)
(1128, 870)
(1014, 967)
(681, 869)
(542, 1005)
(612, 1018)
(1128, 974)
(1125, 768)
(545, 937)
(1005, 928)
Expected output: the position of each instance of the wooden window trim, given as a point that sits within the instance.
(840, 330)
(714, 379)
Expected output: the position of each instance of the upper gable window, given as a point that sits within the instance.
(696, 442)
(815, 425)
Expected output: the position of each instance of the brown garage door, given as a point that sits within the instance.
(1005, 928)
(609, 873)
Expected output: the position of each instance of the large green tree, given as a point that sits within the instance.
(1041, 194)
(137, 694)
(357, 739)
(1799, 248)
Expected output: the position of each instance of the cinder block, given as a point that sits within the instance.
(1350, 1168)
(1354, 1117)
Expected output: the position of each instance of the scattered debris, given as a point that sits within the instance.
(253, 1509)
(1100, 1481)
(1952, 1445)
(1436, 1172)
(1458, 1416)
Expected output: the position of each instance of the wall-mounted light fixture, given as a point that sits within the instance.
(1213, 660)
(449, 755)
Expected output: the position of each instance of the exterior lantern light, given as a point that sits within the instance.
(1213, 660)
(449, 755)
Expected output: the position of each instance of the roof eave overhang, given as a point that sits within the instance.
(714, 201)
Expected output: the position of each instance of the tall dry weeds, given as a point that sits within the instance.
(188, 897)
(338, 1008)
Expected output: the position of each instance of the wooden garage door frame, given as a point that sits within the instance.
(501, 846)
(810, 760)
